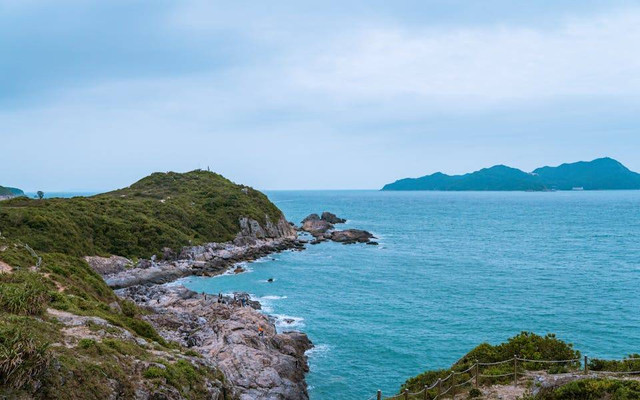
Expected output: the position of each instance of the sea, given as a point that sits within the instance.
(452, 270)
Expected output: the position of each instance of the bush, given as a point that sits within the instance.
(129, 308)
(22, 358)
(595, 389)
(631, 363)
(526, 345)
(23, 293)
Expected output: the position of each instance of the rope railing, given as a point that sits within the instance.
(474, 371)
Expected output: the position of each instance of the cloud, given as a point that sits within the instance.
(591, 56)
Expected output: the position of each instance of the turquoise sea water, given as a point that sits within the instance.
(452, 270)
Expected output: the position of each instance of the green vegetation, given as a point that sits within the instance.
(600, 174)
(162, 210)
(9, 191)
(525, 345)
(40, 360)
(594, 389)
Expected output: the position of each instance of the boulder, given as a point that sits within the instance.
(351, 236)
(316, 227)
(332, 218)
(311, 217)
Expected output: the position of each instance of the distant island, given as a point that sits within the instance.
(8, 192)
(600, 174)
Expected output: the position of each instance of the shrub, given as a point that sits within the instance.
(22, 358)
(595, 389)
(129, 308)
(23, 293)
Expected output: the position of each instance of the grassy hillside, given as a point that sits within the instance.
(43, 359)
(64, 334)
(162, 210)
(8, 191)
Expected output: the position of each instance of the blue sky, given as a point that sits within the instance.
(311, 95)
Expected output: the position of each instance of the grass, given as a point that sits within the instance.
(162, 210)
(526, 345)
(594, 389)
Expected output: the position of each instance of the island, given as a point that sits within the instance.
(600, 174)
(9, 192)
(84, 312)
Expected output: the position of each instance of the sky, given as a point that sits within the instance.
(95, 95)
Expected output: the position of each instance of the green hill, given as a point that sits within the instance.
(498, 178)
(9, 191)
(64, 334)
(162, 210)
(599, 174)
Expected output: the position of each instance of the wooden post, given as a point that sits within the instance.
(406, 394)
(515, 370)
(379, 397)
(439, 387)
(586, 365)
(453, 386)
(477, 374)
(426, 392)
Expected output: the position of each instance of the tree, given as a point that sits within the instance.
(40, 194)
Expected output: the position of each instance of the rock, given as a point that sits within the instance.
(351, 236)
(332, 218)
(311, 217)
(168, 254)
(373, 243)
(270, 280)
(266, 367)
(108, 265)
(238, 270)
(316, 227)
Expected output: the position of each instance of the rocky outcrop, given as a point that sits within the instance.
(332, 218)
(252, 242)
(257, 361)
(109, 265)
(316, 227)
(77, 331)
(322, 229)
(351, 236)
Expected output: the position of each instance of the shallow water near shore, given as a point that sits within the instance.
(452, 270)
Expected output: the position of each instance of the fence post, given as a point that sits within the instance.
(379, 397)
(586, 365)
(477, 373)
(453, 385)
(439, 387)
(515, 370)
(406, 394)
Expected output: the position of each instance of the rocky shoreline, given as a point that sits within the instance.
(257, 361)
(242, 342)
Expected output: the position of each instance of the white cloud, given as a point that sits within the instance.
(595, 56)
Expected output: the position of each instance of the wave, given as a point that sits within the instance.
(285, 322)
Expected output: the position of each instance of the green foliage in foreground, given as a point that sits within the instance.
(33, 363)
(526, 345)
(162, 210)
(595, 389)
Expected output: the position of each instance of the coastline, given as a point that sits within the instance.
(243, 342)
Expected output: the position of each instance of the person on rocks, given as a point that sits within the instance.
(260, 331)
